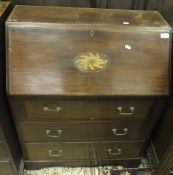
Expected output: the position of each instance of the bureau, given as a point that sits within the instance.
(86, 86)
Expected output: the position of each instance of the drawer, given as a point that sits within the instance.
(5, 168)
(59, 151)
(37, 110)
(119, 150)
(83, 151)
(3, 154)
(118, 130)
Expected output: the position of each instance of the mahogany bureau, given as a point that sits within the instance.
(86, 86)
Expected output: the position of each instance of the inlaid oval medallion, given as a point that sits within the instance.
(91, 61)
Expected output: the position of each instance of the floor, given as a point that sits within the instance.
(86, 171)
(143, 169)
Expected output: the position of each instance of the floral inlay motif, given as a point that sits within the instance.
(91, 61)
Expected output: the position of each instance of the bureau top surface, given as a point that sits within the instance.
(80, 16)
(3, 6)
(79, 52)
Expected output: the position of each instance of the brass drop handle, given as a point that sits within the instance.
(55, 153)
(47, 109)
(117, 153)
(54, 134)
(118, 133)
(131, 109)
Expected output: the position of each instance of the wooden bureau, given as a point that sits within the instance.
(86, 86)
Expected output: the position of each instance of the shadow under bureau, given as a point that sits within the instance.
(86, 86)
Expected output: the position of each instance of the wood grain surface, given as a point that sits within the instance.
(33, 109)
(82, 151)
(119, 130)
(42, 47)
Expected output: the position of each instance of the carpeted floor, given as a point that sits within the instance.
(86, 171)
(143, 169)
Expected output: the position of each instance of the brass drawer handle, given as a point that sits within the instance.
(123, 133)
(131, 109)
(47, 109)
(57, 133)
(55, 153)
(111, 153)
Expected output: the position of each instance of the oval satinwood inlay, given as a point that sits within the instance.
(91, 61)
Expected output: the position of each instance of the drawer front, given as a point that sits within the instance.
(81, 109)
(59, 151)
(6, 169)
(118, 150)
(3, 154)
(118, 130)
(83, 151)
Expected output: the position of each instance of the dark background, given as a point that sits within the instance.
(165, 7)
